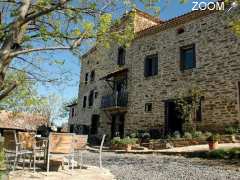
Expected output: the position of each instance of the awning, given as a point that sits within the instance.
(115, 73)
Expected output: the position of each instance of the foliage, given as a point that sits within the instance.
(231, 130)
(233, 153)
(1, 154)
(124, 141)
(214, 138)
(207, 134)
(197, 134)
(155, 133)
(24, 96)
(176, 135)
(187, 135)
(65, 109)
(188, 101)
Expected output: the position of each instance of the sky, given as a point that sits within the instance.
(72, 64)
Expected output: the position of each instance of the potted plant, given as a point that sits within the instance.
(213, 141)
(125, 143)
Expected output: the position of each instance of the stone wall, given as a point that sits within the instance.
(216, 74)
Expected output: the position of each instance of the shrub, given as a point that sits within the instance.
(133, 135)
(214, 137)
(197, 134)
(231, 130)
(187, 135)
(218, 154)
(1, 153)
(207, 134)
(146, 136)
(233, 153)
(124, 141)
(176, 135)
(155, 133)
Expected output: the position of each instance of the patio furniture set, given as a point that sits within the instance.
(66, 148)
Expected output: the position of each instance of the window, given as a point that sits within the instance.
(148, 107)
(151, 65)
(72, 112)
(90, 98)
(121, 56)
(92, 75)
(188, 57)
(84, 101)
(86, 78)
(180, 30)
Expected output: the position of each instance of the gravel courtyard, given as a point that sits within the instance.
(158, 167)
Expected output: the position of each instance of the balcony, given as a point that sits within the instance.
(115, 101)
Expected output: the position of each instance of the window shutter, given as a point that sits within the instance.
(155, 65)
(181, 59)
(146, 67)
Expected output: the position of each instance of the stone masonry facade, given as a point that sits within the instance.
(217, 73)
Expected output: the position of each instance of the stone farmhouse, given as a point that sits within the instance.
(126, 89)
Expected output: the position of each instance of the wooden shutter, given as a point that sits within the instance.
(146, 67)
(155, 65)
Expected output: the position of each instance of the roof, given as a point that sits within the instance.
(163, 25)
(71, 105)
(115, 73)
(146, 15)
(21, 121)
(174, 22)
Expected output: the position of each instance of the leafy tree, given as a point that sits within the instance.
(65, 107)
(33, 26)
(23, 96)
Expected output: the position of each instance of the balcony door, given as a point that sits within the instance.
(117, 126)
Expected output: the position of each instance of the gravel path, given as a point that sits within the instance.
(159, 167)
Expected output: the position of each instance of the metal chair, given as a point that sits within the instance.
(80, 143)
(13, 149)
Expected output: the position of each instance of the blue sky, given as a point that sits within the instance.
(168, 10)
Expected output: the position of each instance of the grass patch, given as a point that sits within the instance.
(233, 153)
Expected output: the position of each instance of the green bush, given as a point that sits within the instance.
(187, 135)
(197, 134)
(231, 130)
(218, 154)
(124, 141)
(214, 137)
(1, 154)
(233, 153)
(176, 135)
(207, 134)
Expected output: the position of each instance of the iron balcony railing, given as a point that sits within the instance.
(118, 99)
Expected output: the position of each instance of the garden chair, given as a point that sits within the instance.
(38, 147)
(13, 149)
(80, 143)
(60, 145)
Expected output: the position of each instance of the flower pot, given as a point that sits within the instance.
(213, 145)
